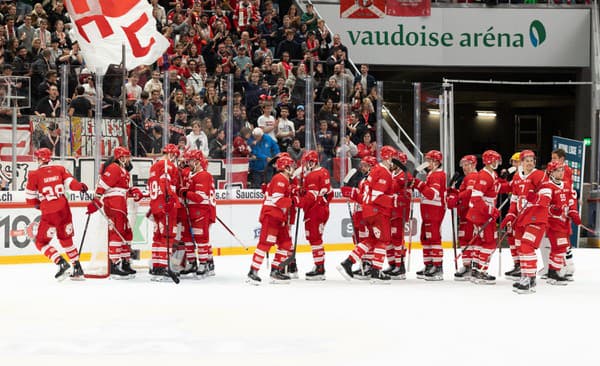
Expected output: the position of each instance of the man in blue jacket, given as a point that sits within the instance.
(264, 148)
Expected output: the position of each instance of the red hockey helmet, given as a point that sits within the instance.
(189, 155)
(284, 162)
(468, 159)
(490, 157)
(198, 155)
(120, 152)
(554, 165)
(370, 160)
(282, 154)
(402, 157)
(170, 149)
(526, 154)
(44, 154)
(310, 156)
(435, 155)
(388, 152)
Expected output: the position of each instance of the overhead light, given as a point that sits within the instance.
(488, 114)
(433, 112)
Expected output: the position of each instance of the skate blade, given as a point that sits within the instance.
(252, 282)
(462, 279)
(421, 277)
(279, 282)
(293, 276)
(398, 277)
(485, 282)
(63, 276)
(119, 277)
(362, 278)
(78, 278)
(316, 278)
(342, 271)
(161, 279)
(524, 292)
(434, 278)
(513, 278)
(380, 282)
(556, 283)
(570, 278)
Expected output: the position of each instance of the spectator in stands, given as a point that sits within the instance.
(39, 69)
(340, 73)
(324, 38)
(367, 81)
(197, 139)
(218, 146)
(51, 139)
(267, 120)
(348, 146)
(49, 106)
(155, 100)
(132, 88)
(290, 46)
(263, 51)
(244, 11)
(357, 96)
(331, 91)
(144, 110)
(240, 144)
(25, 33)
(367, 114)
(21, 63)
(300, 123)
(268, 33)
(80, 106)
(337, 43)
(43, 34)
(309, 18)
(367, 147)
(154, 83)
(356, 128)
(285, 129)
(296, 150)
(264, 148)
(242, 61)
(294, 16)
(156, 143)
(325, 145)
(44, 86)
(311, 45)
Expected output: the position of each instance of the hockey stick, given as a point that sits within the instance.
(589, 230)
(232, 233)
(453, 218)
(410, 234)
(87, 222)
(292, 256)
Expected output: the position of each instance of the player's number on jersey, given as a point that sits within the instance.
(52, 193)
(154, 190)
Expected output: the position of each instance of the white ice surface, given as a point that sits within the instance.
(223, 321)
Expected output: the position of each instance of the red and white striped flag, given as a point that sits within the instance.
(408, 8)
(103, 26)
(364, 9)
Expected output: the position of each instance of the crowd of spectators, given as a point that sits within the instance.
(269, 47)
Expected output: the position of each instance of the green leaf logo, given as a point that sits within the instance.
(537, 33)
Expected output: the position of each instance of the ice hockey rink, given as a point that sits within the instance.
(224, 321)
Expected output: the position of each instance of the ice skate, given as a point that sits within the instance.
(117, 273)
(554, 278)
(317, 273)
(202, 270)
(421, 273)
(292, 270)
(380, 278)
(345, 269)
(211, 268)
(253, 278)
(483, 278)
(363, 273)
(526, 285)
(399, 272)
(514, 274)
(278, 277)
(388, 270)
(63, 269)
(159, 274)
(126, 267)
(77, 274)
(190, 269)
(435, 273)
(463, 274)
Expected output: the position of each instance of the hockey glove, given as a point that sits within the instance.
(575, 218)
(452, 200)
(508, 221)
(136, 193)
(494, 213)
(84, 188)
(94, 206)
(349, 192)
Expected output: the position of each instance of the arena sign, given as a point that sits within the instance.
(515, 37)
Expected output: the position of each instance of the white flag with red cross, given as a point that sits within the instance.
(101, 27)
(362, 9)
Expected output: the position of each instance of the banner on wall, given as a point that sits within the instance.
(23, 140)
(362, 9)
(408, 8)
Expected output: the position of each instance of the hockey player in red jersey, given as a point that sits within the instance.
(274, 217)
(378, 201)
(562, 211)
(111, 193)
(46, 191)
(184, 235)
(515, 272)
(528, 215)
(396, 251)
(200, 196)
(164, 203)
(483, 214)
(459, 199)
(361, 234)
(315, 194)
(433, 209)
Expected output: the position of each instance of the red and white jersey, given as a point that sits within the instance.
(163, 180)
(201, 190)
(529, 212)
(464, 193)
(483, 198)
(568, 176)
(46, 186)
(317, 189)
(433, 202)
(277, 200)
(563, 199)
(184, 180)
(243, 14)
(378, 196)
(114, 181)
(404, 194)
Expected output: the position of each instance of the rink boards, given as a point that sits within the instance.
(240, 214)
